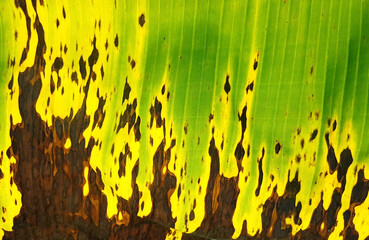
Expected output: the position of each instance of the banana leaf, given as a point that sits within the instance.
(186, 119)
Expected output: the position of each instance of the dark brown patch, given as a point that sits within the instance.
(211, 117)
(141, 20)
(334, 125)
(360, 190)
(260, 168)
(126, 91)
(10, 84)
(277, 148)
(64, 15)
(332, 160)
(128, 116)
(155, 112)
(313, 135)
(116, 41)
(220, 200)
(133, 64)
(250, 87)
(74, 77)
(99, 115)
(255, 65)
(82, 67)
(58, 64)
(227, 86)
(102, 72)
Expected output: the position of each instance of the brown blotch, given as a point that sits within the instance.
(99, 115)
(116, 41)
(260, 168)
(163, 90)
(82, 67)
(155, 112)
(133, 64)
(220, 200)
(10, 84)
(277, 148)
(129, 116)
(211, 117)
(313, 135)
(255, 64)
(58, 64)
(250, 87)
(64, 15)
(334, 125)
(227, 86)
(74, 77)
(141, 20)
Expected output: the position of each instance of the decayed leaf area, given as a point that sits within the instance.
(65, 195)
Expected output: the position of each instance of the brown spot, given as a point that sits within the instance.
(58, 64)
(255, 64)
(102, 72)
(141, 20)
(298, 158)
(332, 160)
(106, 44)
(74, 77)
(192, 215)
(155, 112)
(334, 125)
(10, 84)
(227, 86)
(360, 190)
(82, 67)
(126, 91)
(64, 15)
(277, 148)
(260, 168)
(211, 117)
(116, 40)
(313, 135)
(133, 64)
(250, 87)
(163, 90)
(128, 116)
